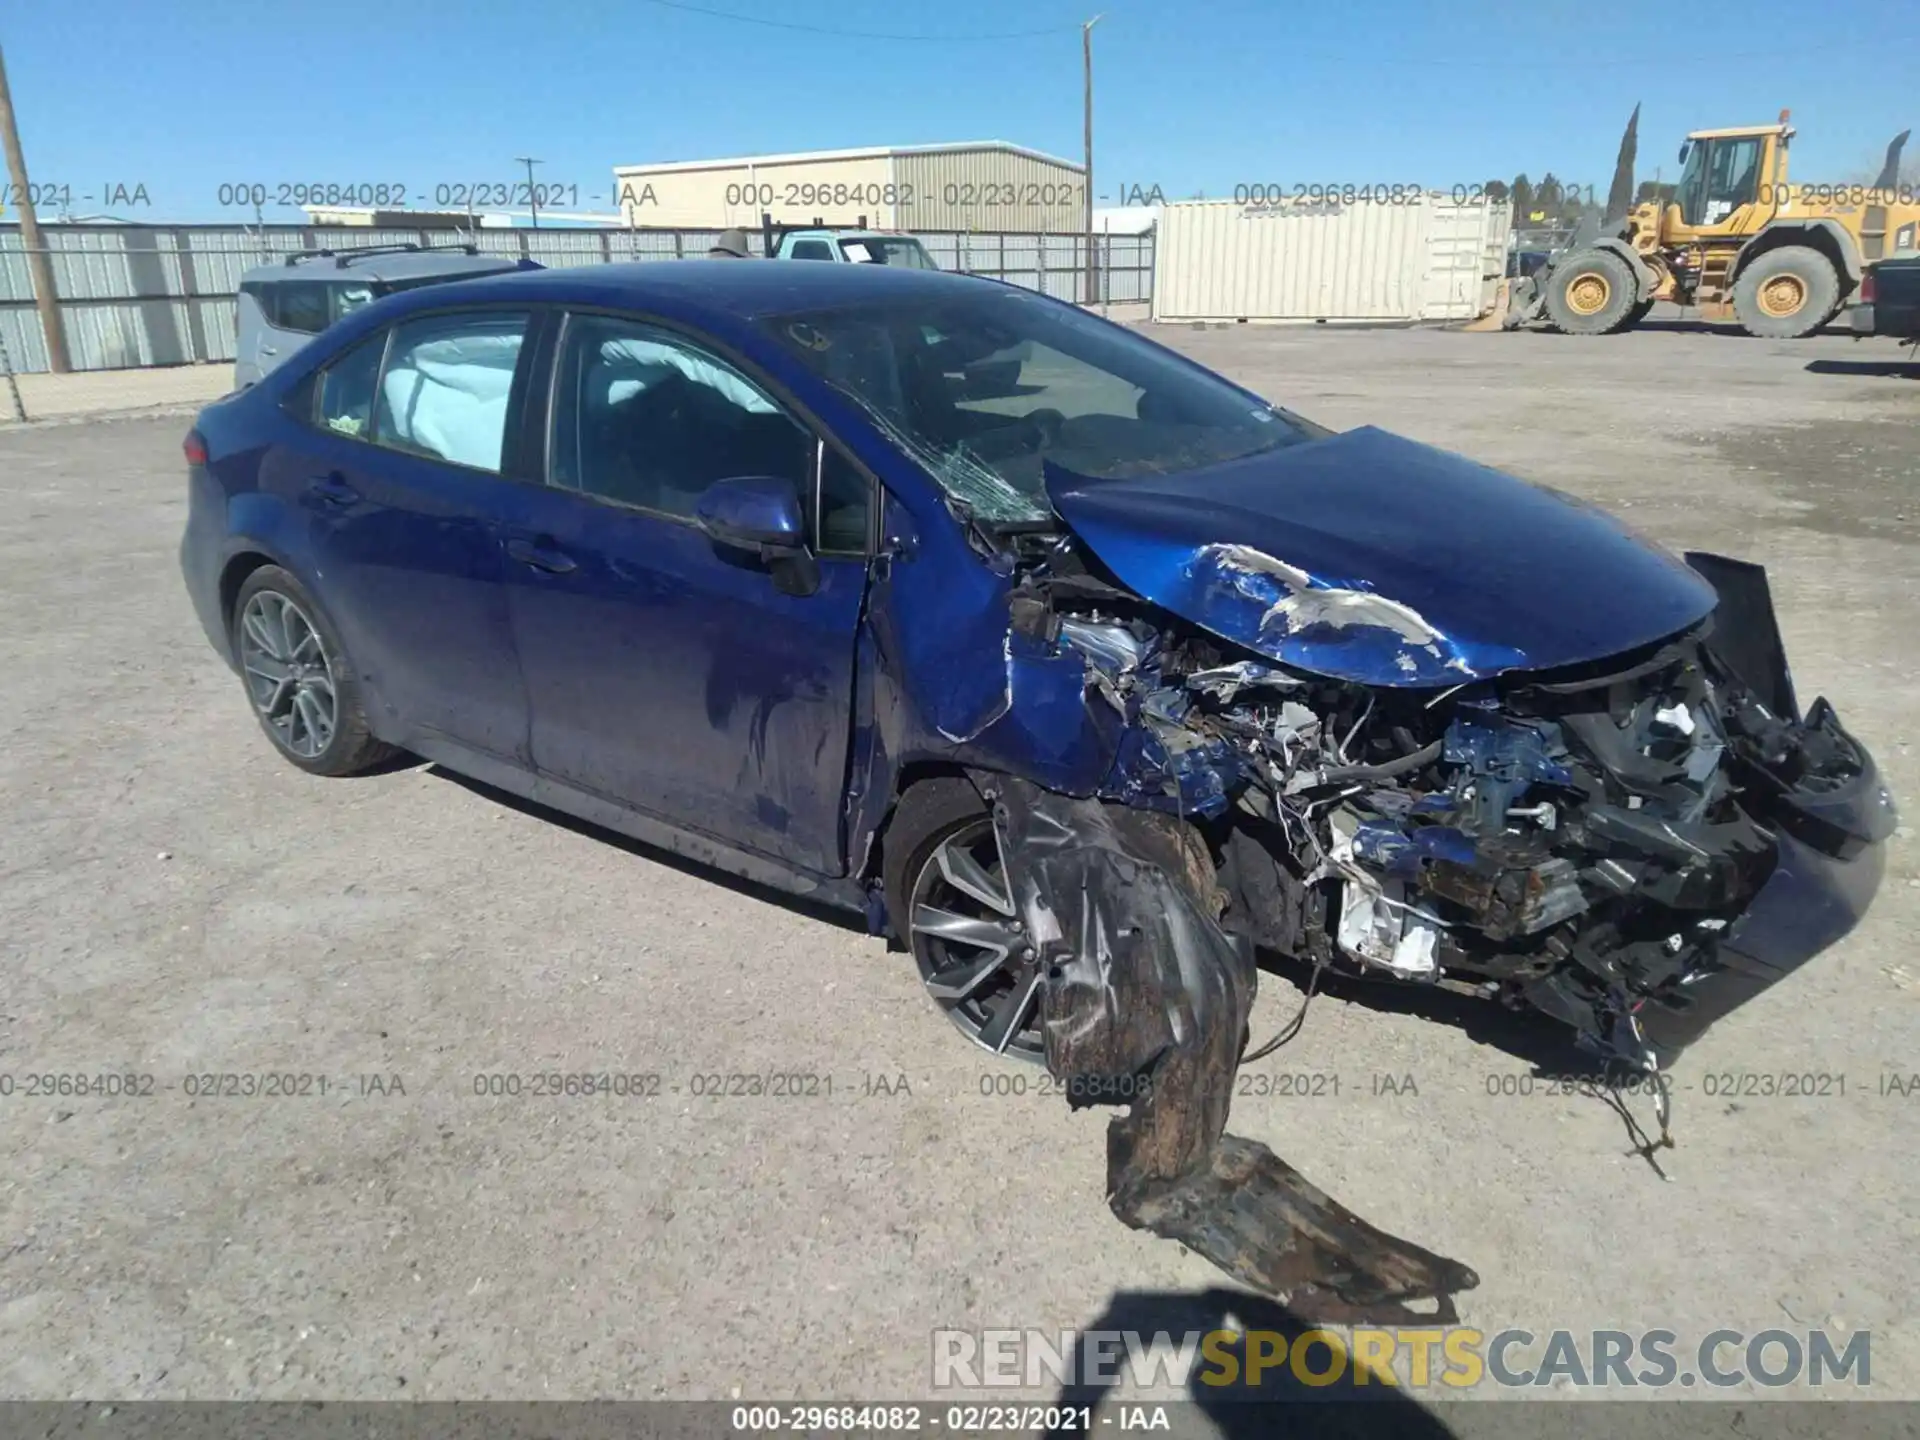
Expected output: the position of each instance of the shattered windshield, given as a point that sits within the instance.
(985, 389)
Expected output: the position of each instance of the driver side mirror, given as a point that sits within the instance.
(761, 514)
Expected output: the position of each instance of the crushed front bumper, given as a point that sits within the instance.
(1814, 897)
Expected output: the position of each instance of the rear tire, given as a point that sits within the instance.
(1786, 293)
(1591, 293)
(298, 678)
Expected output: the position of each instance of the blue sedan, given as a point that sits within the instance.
(1078, 669)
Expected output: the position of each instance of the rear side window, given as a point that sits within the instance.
(346, 388)
(302, 306)
(349, 297)
(445, 389)
(812, 250)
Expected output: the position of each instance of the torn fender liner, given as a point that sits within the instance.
(1141, 981)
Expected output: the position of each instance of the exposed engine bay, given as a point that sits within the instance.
(1579, 841)
(1633, 846)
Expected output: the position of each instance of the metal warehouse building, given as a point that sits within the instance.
(986, 185)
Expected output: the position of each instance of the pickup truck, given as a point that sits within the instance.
(858, 247)
(1888, 302)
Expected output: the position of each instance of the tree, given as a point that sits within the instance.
(1495, 190)
(1548, 197)
(1653, 190)
(1522, 192)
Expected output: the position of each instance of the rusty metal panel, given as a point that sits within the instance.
(1322, 260)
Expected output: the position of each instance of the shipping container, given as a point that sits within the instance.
(1411, 258)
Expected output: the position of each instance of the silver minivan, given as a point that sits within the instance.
(283, 306)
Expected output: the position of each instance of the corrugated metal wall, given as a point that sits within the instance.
(990, 190)
(1305, 261)
(145, 295)
(795, 192)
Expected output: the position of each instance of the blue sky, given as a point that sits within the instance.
(185, 95)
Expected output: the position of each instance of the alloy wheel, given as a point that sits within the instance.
(289, 674)
(974, 954)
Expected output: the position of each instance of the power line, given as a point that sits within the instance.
(856, 34)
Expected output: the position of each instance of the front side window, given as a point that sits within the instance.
(302, 306)
(445, 390)
(988, 387)
(644, 418)
(347, 386)
(1733, 178)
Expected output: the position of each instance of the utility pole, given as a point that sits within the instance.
(39, 265)
(533, 197)
(1086, 216)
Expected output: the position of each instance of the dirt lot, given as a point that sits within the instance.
(176, 901)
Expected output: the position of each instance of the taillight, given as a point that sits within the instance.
(194, 448)
(1866, 289)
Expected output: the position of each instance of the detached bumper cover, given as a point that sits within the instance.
(1813, 899)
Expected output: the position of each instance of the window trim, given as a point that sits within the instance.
(755, 375)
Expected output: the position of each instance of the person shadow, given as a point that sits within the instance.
(1276, 1403)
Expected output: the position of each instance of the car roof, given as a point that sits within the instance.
(846, 235)
(384, 265)
(732, 288)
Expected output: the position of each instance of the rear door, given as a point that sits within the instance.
(666, 672)
(403, 484)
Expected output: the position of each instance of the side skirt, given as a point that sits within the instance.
(635, 824)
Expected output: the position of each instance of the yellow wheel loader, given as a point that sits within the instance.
(1736, 239)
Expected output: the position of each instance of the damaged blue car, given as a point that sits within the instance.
(1078, 669)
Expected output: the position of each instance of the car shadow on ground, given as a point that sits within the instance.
(1906, 369)
(1277, 1402)
(1538, 1040)
(699, 870)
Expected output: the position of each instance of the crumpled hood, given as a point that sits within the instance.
(1384, 561)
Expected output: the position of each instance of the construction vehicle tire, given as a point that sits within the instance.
(1786, 293)
(1590, 293)
(1639, 312)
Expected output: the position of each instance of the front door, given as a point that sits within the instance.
(664, 671)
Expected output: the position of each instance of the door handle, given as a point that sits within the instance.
(541, 556)
(332, 490)
(268, 350)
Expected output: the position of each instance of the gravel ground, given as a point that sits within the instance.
(175, 901)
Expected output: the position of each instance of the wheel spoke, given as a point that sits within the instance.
(258, 630)
(1010, 1011)
(267, 666)
(307, 651)
(312, 714)
(966, 875)
(285, 627)
(955, 929)
(957, 982)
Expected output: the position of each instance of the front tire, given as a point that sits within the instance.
(1591, 293)
(952, 907)
(298, 678)
(1786, 293)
